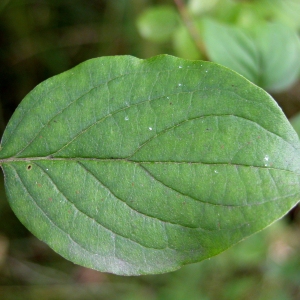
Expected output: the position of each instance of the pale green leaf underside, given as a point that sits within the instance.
(140, 166)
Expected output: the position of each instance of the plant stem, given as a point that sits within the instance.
(190, 25)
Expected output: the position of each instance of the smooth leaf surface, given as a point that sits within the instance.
(268, 55)
(138, 166)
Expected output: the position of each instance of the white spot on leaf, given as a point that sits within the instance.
(266, 159)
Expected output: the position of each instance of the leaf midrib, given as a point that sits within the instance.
(100, 224)
(77, 159)
(164, 131)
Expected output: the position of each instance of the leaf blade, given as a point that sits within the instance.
(173, 163)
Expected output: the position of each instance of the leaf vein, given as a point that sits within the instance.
(143, 214)
(124, 108)
(214, 204)
(90, 217)
(197, 118)
(47, 217)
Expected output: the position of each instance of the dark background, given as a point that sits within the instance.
(41, 38)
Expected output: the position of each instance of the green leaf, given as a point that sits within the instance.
(158, 24)
(285, 11)
(295, 121)
(184, 45)
(269, 55)
(200, 7)
(138, 166)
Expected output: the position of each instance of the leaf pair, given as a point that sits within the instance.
(138, 166)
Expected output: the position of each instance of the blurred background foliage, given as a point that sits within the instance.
(259, 39)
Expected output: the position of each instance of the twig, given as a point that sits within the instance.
(190, 25)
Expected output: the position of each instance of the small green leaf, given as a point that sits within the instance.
(157, 24)
(138, 166)
(197, 7)
(269, 55)
(184, 45)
